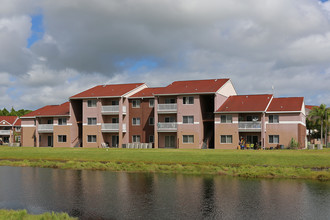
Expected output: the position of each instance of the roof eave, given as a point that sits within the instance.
(198, 93)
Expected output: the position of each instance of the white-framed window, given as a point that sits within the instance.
(18, 129)
(151, 139)
(226, 119)
(188, 119)
(91, 138)
(136, 103)
(226, 139)
(62, 121)
(169, 101)
(61, 138)
(151, 103)
(151, 121)
(274, 139)
(136, 121)
(273, 119)
(136, 139)
(188, 139)
(91, 121)
(91, 103)
(188, 100)
(169, 119)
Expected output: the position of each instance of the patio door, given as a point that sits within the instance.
(50, 141)
(170, 141)
(114, 141)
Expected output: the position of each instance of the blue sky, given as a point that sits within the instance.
(53, 50)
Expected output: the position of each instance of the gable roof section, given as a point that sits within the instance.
(147, 92)
(286, 104)
(115, 90)
(310, 106)
(193, 87)
(8, 120)
(51, 110)
(246, 103)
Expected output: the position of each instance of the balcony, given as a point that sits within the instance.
(110, 110)
(167, 126)
(4, 132)
(167, 108)
(249, 126)
(45, 128)
(112, 127)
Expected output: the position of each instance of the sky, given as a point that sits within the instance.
(51, 50)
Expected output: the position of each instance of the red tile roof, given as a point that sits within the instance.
(147, 92)
(310, 106)
(286, 104)
(193, 87)
(9, 119)
(18, 122)
(107, 90)
(51, 110)
(245, 103)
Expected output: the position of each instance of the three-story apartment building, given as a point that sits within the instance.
(10, 130)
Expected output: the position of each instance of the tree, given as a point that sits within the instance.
(5, 112)
(320, 115)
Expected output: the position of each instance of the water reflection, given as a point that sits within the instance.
(108, 195)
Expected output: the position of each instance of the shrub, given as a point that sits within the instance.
(293, 144)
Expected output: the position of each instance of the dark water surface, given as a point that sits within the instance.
(109, 195)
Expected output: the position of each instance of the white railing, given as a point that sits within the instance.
(167, 107)
(4, 132)
(45, 128)
(249, 125)
(167, 126)
(124, 110)
(110, 109)
(110, 127)
(124, 127)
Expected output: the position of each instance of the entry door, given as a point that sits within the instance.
(50, 141)
(115, 141)
(170, 141)
(255, 139)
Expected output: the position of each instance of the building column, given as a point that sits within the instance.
(155, 122)
(120, 133)
(263, 130)
(37, 133)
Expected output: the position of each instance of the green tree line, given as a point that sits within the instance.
(13, 112)
(318, 123)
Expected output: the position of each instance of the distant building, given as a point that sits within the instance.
(10, 130)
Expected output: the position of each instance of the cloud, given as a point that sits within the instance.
(256, 43)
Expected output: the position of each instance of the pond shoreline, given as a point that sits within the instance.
(247, 171)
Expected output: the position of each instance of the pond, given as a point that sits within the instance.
(110, 195)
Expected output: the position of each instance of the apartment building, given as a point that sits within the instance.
(199, 114)
(184, 112)
(10, 130)
(100, 115)
(49, 126)
(260, 119)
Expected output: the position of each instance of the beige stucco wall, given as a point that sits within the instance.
(195, 145)
(28, 136)
(226, 129)
(92, 130)
(62, 130)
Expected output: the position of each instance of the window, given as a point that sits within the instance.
(114, 102)
(169, 119)
(91, 121)
(151, 139)
(18, 139)
(226, 139)
(136, 121)
(115, 120)
(188, 119)
(188, 139)
(226, 119)
(274, 139)
(136, 103)
(91, 138)
(18, 129)
(61, 138)
(62, 121)
(169, 101)
(136, 138)
(273, 119)
(91, 103)
(151, 121)
(252, 118)
(188, 100)
(151, 103)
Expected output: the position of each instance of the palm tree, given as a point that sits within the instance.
(321, 115)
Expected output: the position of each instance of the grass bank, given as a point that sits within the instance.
(23, 215)
(309, 164)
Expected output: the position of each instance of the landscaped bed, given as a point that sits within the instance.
(309, 164)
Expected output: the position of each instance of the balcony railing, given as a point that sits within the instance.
(45, 128)
(249, 125)
(167, 108)
(112, 127)
(4, 132)
(167, 126)
(110, 109)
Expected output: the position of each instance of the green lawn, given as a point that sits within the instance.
(23, 215)
(231, 162)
